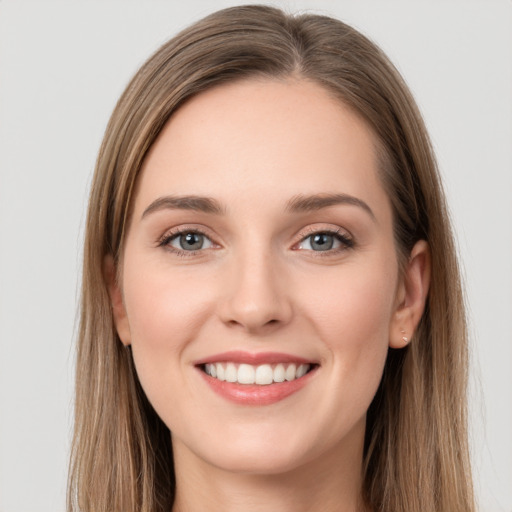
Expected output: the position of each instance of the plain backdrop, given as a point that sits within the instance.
(62, 67)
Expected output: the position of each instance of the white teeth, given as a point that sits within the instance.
(231, 373)
(279, 373)
(246, 374)
(221, 374)
(290, 372)
(211, 369)
(262, 374)
(301, 371)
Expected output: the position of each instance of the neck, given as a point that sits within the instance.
(331, 483)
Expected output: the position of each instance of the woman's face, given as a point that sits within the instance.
(261, 247)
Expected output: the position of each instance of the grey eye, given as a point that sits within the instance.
(321, 241)
(190, 241)
(324, 241)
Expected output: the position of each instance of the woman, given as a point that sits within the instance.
(271, 309)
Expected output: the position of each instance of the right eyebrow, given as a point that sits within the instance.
(196, 203)
(301, 203)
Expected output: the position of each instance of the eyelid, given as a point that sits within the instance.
(341, 234)
(172, 233)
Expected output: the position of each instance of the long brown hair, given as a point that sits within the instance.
(416, 454)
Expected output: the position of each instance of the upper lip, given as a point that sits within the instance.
(239, 356)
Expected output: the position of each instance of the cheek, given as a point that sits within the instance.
(343, 311)
(165, 307)
(166, 311)
(353, 304)
(352, 319)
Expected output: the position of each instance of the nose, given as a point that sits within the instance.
(256, 296)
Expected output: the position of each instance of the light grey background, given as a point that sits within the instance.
(62, 67)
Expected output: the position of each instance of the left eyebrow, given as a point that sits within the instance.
(196, 203)
(302, 203)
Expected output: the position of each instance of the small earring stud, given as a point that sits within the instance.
(405, 339)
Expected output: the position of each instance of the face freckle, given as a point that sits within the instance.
(261, 236)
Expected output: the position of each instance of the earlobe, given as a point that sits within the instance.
(116, 300)
(411, 296)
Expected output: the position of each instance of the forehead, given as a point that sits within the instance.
(272, 138)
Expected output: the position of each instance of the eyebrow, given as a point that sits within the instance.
(297, 204)
(195, 203)
(302, 203)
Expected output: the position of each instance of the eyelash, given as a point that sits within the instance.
(346, 241)
(169, 237)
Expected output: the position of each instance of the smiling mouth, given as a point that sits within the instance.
(261, 375)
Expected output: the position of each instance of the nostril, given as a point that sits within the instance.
(253, 323)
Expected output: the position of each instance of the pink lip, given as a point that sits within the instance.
(252, 394)
(239, 356)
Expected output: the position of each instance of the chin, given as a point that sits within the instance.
(262, 452)
(259, 462)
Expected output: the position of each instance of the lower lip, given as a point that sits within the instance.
(252, 394)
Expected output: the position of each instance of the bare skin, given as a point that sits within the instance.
(260, 226)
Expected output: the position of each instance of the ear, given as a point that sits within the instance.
(116, 299)
(411, 297)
